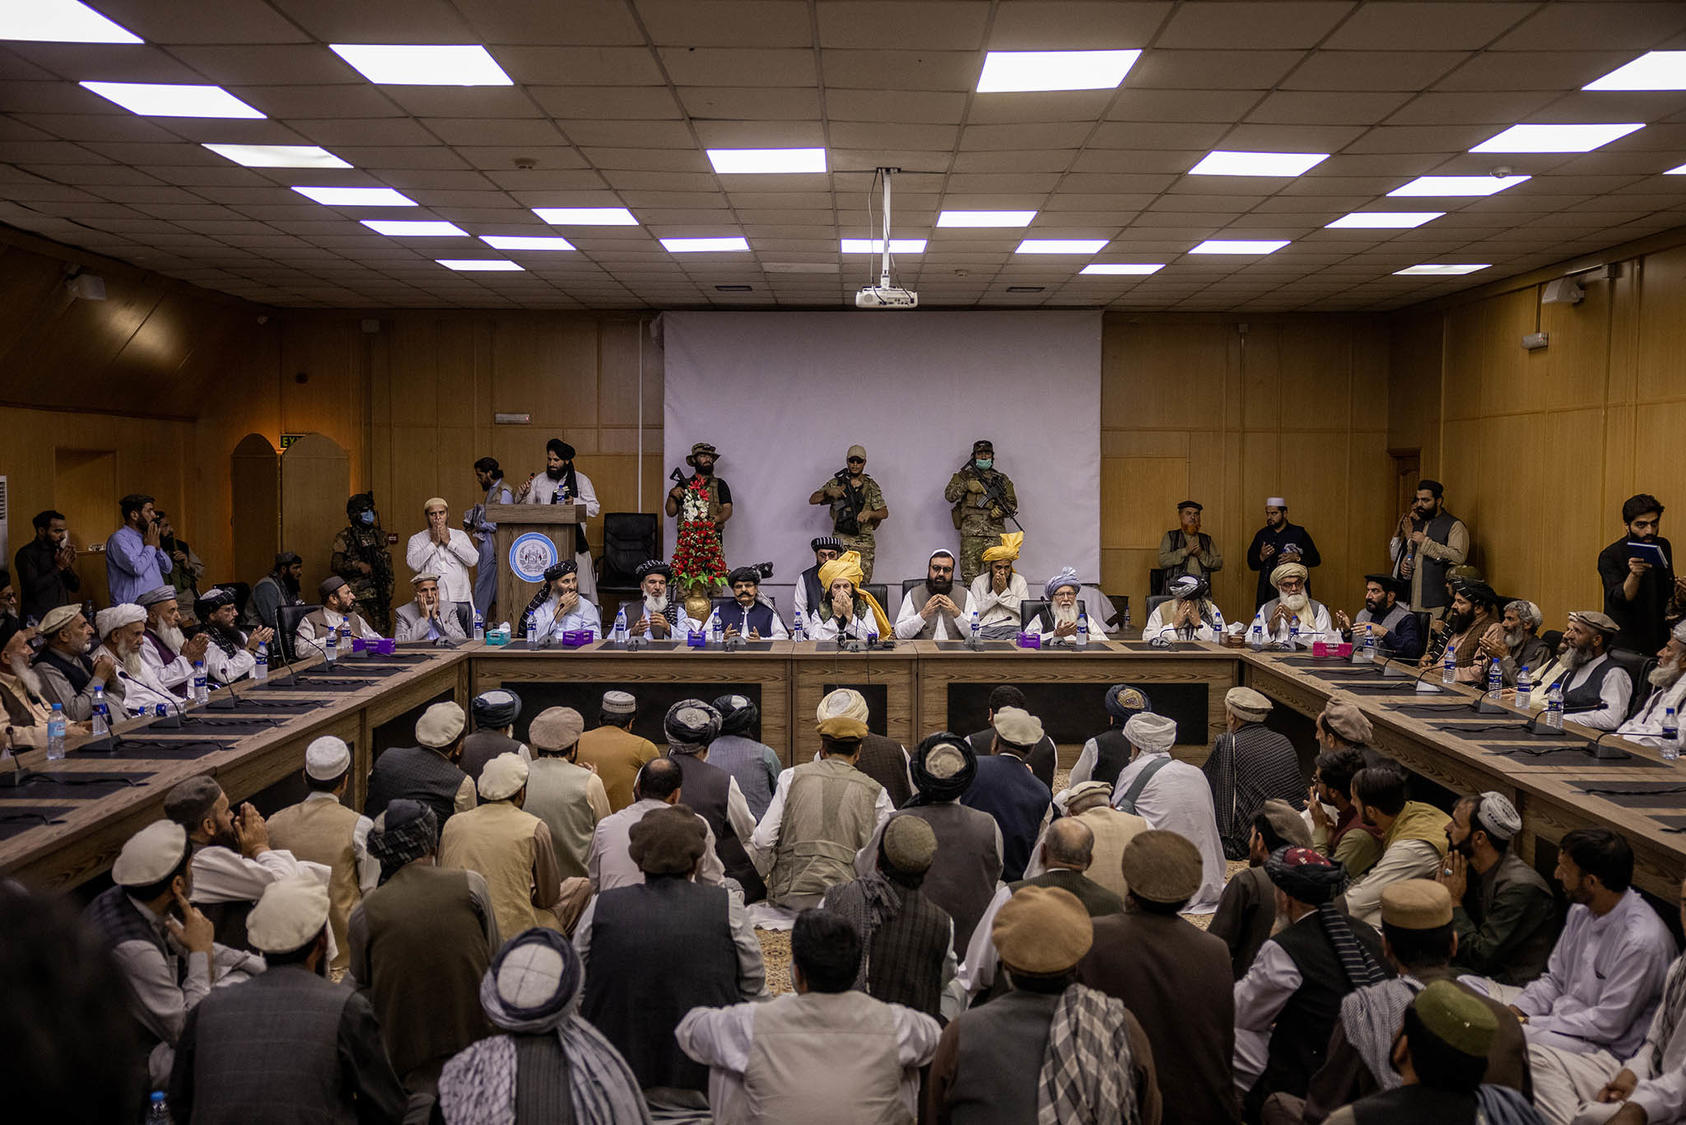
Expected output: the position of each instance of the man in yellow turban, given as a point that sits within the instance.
(997, 592)
(846, 608)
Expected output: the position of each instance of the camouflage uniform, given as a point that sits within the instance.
(866, 541)
(373, 590)
(980, 528)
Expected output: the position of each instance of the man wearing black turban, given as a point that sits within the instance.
(561, 483)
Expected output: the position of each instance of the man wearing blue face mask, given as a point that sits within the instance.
(361, 558)
(984, 500)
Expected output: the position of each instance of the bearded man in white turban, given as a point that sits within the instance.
(1292, 617)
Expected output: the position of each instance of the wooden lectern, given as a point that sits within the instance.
(557, 522)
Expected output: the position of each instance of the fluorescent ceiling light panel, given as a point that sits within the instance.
(586, 216)
(1446, 186)
(1431, 270)
(60, 21)
(279, 156)
(522, 242)
(876, 246)
(1062, 246)
(1556, 138)
(1222, 162)
(1654, 70)
(1141, 269)
(1014, 71)
(704, 245)
(481, 265)
(405, 64)
(356, 196)
(1383, 220)
(1239, 246)
(753, 161)
(406, 228)
(156, 99)
(985, 218)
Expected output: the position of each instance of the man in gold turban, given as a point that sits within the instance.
(846, 608)
(997, 592)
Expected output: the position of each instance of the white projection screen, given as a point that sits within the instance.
(784, 394)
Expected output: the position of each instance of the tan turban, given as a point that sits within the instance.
(844, 703)
(1007, 549)
(1248, 703)
(848, 565)
(1288, 570)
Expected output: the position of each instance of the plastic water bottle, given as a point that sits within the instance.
(714, 629)
(1294, 634)
(55, 734)
(101, 717)
(1449, 670)
(158, 1110)
(330, 649)
(201, 685)
(479, 626)
(532, 632)
(617, 632)
(798, 631)
(1671, 736)
(1124, 624)
(260, 669)
(1082, 630)
(1256, 638)
(977, 629)
(1554, 707)
(1495, 681)
(1524, 686)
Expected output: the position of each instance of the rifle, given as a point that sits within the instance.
(995, 494)
(847, 521)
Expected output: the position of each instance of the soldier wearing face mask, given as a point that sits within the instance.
(984, 500)
(361, 558)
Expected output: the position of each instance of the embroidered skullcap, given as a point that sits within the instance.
(57, 618)
(556, 728)
(1275, 502)
(1416, 904)
(691, 725)
(496, 708)
(668, 841)
(116, 617)
(1248, 703)
(150, 855)
(158, 595)
(440, 725)
(842, 703)
(738, 713)
(1161, 866)
(1305, 875)
(909, 844)
(1155, 734)
(1042, 931)
(1007, 549)
(503, 777)
(1457, 1018)
(1288, 570)
(1066, 577)
(618, 703)
(1125, 701)
(289, 915)
(326, 758)
(653, 566)
(1018, 727)
(1498, 816)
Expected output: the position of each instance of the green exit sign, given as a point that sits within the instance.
(289, 439)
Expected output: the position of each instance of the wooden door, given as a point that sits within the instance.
(85, 490)
(315, 484)
(254, 471)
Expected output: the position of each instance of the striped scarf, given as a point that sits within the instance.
(1360, 968)
(1087, 1070)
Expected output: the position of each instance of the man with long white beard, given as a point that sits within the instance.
(1595, 690)
(122, 630)
(338, 613)
(560, 607)
(1190, 615)
(1057, 621)
(561, 483)
(660, 615)
(68, 676)
(931, 612)
(166, 652)
(999, 588)
(22, 705)
(1668, 690)
(1292, 609)
(232, 653)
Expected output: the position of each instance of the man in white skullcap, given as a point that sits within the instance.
(1293, 617)
(1057, 621)
(1172, 796)
(321, 828)
(288, 1037)
(1190, 615)
(1668, 691)
(882, 759)
(1596, 691)
(509, 847)
(1249, 765)
(936, 610)
(427, 771)
(69, 676)
(613, 750)
(1507, 927)
(1278, 542)
(164, 649)
(163, 945)
(121, 628)
(445, 552)
(429, 617)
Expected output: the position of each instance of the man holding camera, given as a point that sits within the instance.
(135, 560)
(857, 507)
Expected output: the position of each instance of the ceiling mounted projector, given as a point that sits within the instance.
(886, 294)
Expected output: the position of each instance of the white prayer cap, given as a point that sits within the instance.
(116, 617)
(440, 725)
(1154, 733)
(418, 579)
(503, 777)
(844, 703)
(158, 595)
(1275, 502)
(289, 914)
(150, 854)
(326, 758)
(529, 974)
(435, 502)
(1017, 726)
(1498, 816)
(619, 703)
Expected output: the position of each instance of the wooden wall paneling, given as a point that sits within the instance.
(1661, 330)
(1576, 365)
(1581, 525)
(547, 367)
(1260, 356)
(315, 482)
(1416, 344)
(333, 398)
(86, 490)
(254, 474)
(416, 394)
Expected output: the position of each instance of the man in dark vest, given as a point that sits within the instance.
(1104, 756)
(1172, 978)
(420, 944)
(1384, 617)
(882, 759)
(1006, 789)
(745, 614)
(1286, 1005)
(1428, 541)
(908, 939)
(425, 772)
(935, 609)
(655, 950)
(1596, 691)
(494, 713)
(967, 865)
(286, 1045)
(712, 793)
(1246, 914)
(68, 676)
(1042, 756)
(810, 595)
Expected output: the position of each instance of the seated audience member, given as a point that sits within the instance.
(997, 592)
(544, 1061)
(658, 615)
(1413, 838)
(26, 709)
(779, 1061)
(1090, 804)
(569, 798)
(445, 552)
(1418, 939)
(629, 939)
(45, 575)
(1043, 757)
(907, 941)
(930, 612)
(231, 653)
(1668, 690)
(1037, 1045)
(427, 618)
(882, 759)
(1596, 691)
(559, 607)
(609, 863)
(1007, 789)
(1171, 977)
(1246, 913)
(167, 653)
(280, 587)
(1344, 836)
(1520, 647)
(1473, 623)
(1504, 913)
(495, 712)
(1638, 591)
(1249, 765)
(1285, 1007)
(712, 793)
(822, 813)
(320, 1043)
(232, 859)
(847, 609)
(509, 846)
(753, 765)
(69, 675)
(122, 630)
(322, 830)
(1293, 618)
(134, 561)
(1440, 618)
(746, 614)
(1190, 615)
(427, 771)
(420, 945)
(1386, 616)
(165, 949)
(1172, 796)
(810, 591)
(613, 751)
(967, 865)
(1057, 622)
(338, 614)
(1104, 756)
(1343, 724)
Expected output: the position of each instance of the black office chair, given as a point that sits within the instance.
(910, 583)
(879, 591)
(1154, 601)
(629, 540)
(1031, 607)
(1423, 617)
(1553, 638)
(1636, 666)
(287, 620)
(465, 618)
